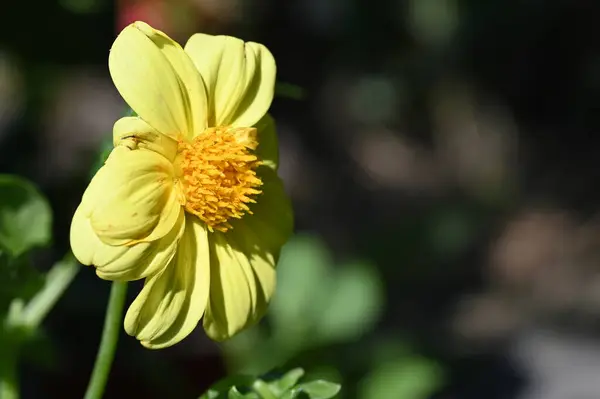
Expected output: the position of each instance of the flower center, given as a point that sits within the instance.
(217, 173)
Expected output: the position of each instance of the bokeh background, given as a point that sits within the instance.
(442, 158)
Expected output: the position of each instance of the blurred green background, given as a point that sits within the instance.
(441, 156)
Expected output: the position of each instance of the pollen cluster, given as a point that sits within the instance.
(217, 174)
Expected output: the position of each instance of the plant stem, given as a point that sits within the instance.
(9, 385)
(108, 343)
(25, 318)
(58, 280)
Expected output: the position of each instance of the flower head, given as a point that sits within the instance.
(189, 198)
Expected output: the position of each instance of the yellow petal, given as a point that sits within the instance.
(243, 263)
(273, 218)
(239, 78)
(268, 146)
(133, 133)
(194, 91)
(172, 302)
(154, 76)
(135, 197)
(122, 263)
(125, 262)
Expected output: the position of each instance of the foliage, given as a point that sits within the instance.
(26, 295)
(25, 216)
(274, 386)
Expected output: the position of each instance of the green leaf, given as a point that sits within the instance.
(235, 394)
(18, 279)
(25, 216)
(222, 388)
(354, 303)
(245, 387)
(411, 378)
(332, 303)
(319, 389)
(303, 277)
(263, 389)
(293, 394)
(210, 394)
(287, 381)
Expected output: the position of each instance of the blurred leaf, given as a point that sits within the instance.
(291, 91)
(354, 303)
(303, 280)
(293, 394)
(245, 354)
(263, 389)
(18, 279)
(9, 381)
(288, 381)
(316, 303)
(273, 385)
(333, 303)
(222, 388)
(25, 216)
(19, 334)
(407, 378)
(210, 394)
(319, 389)
(235, 394)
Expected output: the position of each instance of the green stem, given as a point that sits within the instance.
(27, 317)
(9, 385)
(108, 344)
(261, 388)
(57, 280)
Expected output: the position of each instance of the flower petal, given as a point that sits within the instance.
(243, 263)
(125, 262)
(272, 221)
(239, 78)
(154, 76)
(172, 302)
(135, 198)
(133, 132)
(268, 146)
(194, 91)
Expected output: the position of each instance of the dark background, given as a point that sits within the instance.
(449, 145)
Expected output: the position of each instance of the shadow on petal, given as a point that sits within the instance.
(243, 262)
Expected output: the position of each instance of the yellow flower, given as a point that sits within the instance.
(189, 198)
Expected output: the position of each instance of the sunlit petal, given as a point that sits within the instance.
(125, 262)
(133, 132)
(239, 78)
(243, 263)
(134, 197)
(141, 67)
(172, 302)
